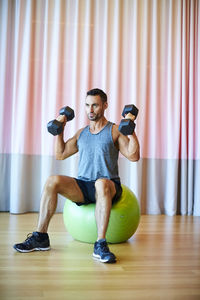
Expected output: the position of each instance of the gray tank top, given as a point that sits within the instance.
(98, 154)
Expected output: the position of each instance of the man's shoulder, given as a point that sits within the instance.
(115, 128)
(77, 134)
(115, 132)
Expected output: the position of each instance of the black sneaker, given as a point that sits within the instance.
(102, 252)
(36, 241)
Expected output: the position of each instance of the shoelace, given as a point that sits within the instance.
(104, 247)
(29, 238)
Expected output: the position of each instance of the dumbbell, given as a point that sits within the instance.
(127, 126)
(55, 127)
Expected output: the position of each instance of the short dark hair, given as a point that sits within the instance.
(98, 92)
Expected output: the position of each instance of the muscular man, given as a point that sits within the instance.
(98, 179)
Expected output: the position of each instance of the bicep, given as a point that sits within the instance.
(129, 147)
(70, 147)
(121, 141)
(123, 145)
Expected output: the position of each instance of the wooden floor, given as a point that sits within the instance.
(161, 261)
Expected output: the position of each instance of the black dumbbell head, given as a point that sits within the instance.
(130, 109)
(126, 126)
(68, 112)
(55, 127)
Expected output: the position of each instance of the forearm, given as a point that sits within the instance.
(133, 148)
(59, 146)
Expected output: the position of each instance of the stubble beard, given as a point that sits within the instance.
(96, 117)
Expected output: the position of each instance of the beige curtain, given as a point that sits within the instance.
(144, 52)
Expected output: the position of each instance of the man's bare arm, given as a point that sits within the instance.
(65, 149)
(128, 145)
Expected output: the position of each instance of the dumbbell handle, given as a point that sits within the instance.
(131, 108)
(69, 115)
(130, 116)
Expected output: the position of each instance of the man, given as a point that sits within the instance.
(98, 179)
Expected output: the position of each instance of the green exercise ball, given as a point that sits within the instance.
(124, 219)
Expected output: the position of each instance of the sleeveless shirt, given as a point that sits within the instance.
(98, 156)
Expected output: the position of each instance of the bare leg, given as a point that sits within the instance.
(105, 191)
(63, 185)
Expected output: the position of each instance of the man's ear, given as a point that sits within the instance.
(105, 105)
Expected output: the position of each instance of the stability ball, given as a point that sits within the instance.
(124, 219)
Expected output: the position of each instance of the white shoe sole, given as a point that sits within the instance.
(34, 249)
(98, 257)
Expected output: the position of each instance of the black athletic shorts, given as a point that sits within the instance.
(88, 190)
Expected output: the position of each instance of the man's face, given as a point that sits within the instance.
(95, 107)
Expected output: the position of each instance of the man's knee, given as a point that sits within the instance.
(104, 187)
(52, 182)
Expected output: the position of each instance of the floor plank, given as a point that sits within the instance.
(161, 261)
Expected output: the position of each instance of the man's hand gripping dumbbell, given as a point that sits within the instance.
(56, 126)
(127, 125)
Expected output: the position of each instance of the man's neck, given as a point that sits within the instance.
(96, 126)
